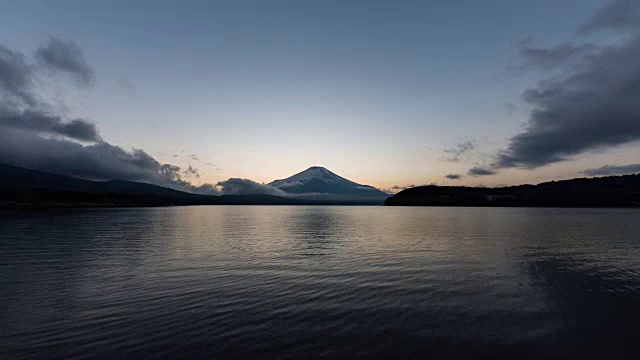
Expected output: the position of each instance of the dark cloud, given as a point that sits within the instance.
(480, 171)
(453, 154)
(100, 161)
(591, 106)
(613, 170)
(194, 157)
(48, 124)
(20, 107)
(66, 56)
(454, 176)
(617, 15)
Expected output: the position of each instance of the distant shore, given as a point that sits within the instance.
(612, 191)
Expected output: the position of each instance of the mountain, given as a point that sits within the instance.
(611, 191)
(319, 183)
(20, 187)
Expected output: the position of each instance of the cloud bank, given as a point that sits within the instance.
(236, 186)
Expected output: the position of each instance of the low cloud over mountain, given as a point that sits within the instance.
(236, 186)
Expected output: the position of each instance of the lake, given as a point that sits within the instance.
(320, 281)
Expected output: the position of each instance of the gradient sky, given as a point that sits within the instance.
(381, 92)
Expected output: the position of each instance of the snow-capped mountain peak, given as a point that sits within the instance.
(314, 172)
(319, 180)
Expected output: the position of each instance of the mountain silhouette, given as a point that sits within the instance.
(319, 183)
(20, 187)
(610, 191)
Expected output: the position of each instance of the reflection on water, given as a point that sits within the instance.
(280, 281)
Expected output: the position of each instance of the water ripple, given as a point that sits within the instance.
(307, 282)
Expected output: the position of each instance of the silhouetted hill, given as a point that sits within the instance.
(612, 191)
(130, 187)
(24, 187)
(13, 177)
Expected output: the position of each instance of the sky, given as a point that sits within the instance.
(385, 93)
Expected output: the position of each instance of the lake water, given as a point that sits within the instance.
(305, 282)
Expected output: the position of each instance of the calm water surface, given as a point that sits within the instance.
(305, 282)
